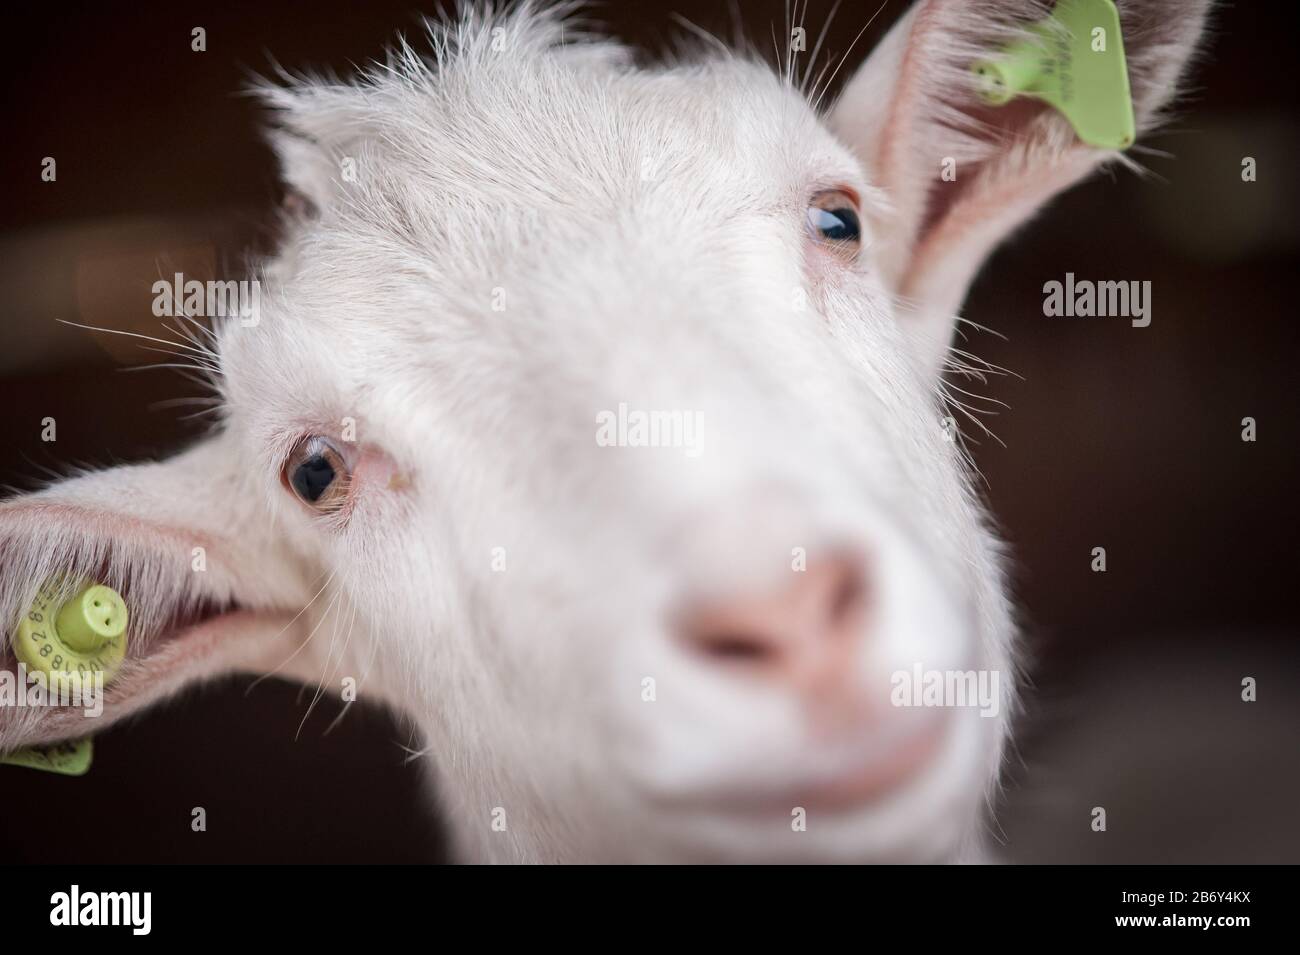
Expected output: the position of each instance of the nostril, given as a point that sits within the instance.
(733, 647)
(739, 630)
(848, 595)
(807, 621)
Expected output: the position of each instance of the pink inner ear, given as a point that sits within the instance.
(1007, 161)
(185, 623)
(963, 233)
(148, 562)
(1009, 129)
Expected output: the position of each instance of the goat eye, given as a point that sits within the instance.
(317, 473)
(833, 221)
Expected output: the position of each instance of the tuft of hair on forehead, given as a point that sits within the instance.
(476, 42)
(318, 117)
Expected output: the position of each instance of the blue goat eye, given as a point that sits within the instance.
(838, 225)
(833, 218)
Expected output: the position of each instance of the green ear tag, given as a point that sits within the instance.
(83, 637)
(1073, 61)
(69, 758)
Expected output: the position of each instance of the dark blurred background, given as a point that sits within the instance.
(1124, 438)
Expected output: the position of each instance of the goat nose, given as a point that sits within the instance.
(802, 632)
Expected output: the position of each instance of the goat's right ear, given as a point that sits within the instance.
(210, 584)
(958, 174)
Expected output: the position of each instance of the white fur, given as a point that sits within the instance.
(521, 169)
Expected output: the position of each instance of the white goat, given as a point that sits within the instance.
(611, 651)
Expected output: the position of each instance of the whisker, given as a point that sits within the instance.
(118, 331)
(347, 642)
(301, 646)
(844, 59)
(817, 47)
(329, 653)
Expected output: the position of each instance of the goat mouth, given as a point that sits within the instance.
(848, 785)
(857, 786)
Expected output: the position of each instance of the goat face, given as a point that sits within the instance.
(593, 414)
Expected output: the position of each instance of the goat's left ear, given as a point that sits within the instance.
(959, 174)
(316, 135)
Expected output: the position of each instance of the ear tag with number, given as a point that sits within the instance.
(1074, 61)
(81, 638)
